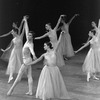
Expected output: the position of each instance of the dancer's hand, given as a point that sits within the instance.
(14, 25)
(2, 50)
(76, 14)
(62, 32)
(75, 52)
(25, 17)
(62, 16)
(28, 64)
(35, 58)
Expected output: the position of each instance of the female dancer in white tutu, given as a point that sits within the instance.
(52, 34)
(92, 61)
(50, 84)
(26, 52)
(67, 48)
(14, 52)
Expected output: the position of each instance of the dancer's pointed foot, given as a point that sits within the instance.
(88, 80)
(29, 93)
(10, 79)
(9, 92)
(88, 76)
(94, 77)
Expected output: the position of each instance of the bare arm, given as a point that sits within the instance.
(59, 40)
(59, 20)
(72, 18)
(19, 29)
(82, 47)
(26, 27)
(8, 47)
(43, 36)
(6, 34)
(23, 30)
(37, 60)
(31, 47)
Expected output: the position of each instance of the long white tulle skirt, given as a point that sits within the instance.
(51, 84)
(66, 45)
(15, 61)
(59, 55)
(92, 61)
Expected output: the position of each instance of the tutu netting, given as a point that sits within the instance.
(53, 39)
(15, 60)
(66, 44)
(92, 60)
(51, 83)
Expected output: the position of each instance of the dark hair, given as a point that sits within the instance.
(48, 24)
(15, 30)
(32, 33)
(64, 18)
(49, 44)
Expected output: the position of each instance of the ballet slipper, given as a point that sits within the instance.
(10, 79)
(88, 77)
(29, 93)
(94, 77)
(9, 92)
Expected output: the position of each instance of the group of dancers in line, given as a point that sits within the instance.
(50, 84)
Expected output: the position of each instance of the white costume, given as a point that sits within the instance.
(51, 83)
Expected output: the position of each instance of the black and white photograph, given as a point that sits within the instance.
(49, 49)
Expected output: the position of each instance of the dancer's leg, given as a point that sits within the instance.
(10, 77)
(30, 80)
(18, 78)
(94, 77)
(88, 76)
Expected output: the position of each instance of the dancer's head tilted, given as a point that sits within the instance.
(48, 26)
(47, 46)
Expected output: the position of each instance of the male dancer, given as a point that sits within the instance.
(26, 52)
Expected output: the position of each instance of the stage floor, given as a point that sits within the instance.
(73, 76)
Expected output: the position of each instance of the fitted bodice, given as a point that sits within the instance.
(50, 57)
(53, 36)
(17, 42)
(95, 42)
(26, 50)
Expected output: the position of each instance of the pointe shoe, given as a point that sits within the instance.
(88, 80)
(9, 92)
(94, 77)
(10, 79)
(29, 93)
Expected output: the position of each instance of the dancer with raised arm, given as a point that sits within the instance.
(50, 84)
(91, 63)
(52, 34)
(66, 43)
(14, 52)
(26, 52)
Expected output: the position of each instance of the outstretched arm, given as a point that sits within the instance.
(59, 20)
(19, 29)
(31, 47)
(37, 60)
(26, 27)
(59, 40)
(85, 45)
(72, 18)
(6, 34)
(22, 34)
(43, 36)
(8, 47)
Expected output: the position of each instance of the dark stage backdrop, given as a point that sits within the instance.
(43, 11)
